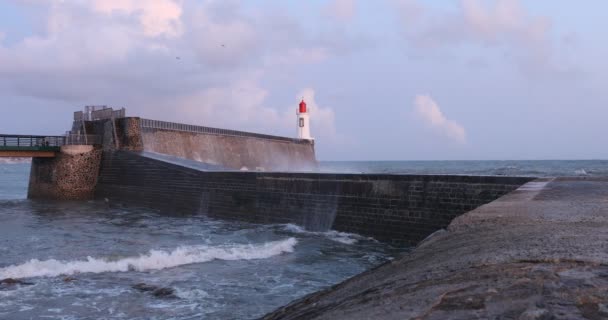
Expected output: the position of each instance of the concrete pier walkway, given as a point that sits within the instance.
(540, 252)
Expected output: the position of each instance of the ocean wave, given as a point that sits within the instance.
(154, 260)
(333, 235)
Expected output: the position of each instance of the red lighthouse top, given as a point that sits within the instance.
(302, 106)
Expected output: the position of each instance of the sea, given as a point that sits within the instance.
(92, 260)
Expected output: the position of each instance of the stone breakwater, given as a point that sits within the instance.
(541, 252)
(397, 209)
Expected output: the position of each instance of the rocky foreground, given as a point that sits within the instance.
(540, 252)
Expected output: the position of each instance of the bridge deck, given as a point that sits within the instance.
(27, 154)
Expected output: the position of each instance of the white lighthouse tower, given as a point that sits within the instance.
(303, 121)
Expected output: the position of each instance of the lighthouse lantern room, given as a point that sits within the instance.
(303, 121)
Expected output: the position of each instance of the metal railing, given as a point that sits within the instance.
(28, 141)
(93, 113)
(108, 113)
(172, 126)
(31, 141)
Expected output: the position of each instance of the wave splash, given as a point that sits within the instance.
(154, 260)
(333, 235)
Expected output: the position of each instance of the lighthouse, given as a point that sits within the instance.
(303, 121)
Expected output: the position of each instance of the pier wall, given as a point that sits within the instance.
(397, 209)
(232, 152)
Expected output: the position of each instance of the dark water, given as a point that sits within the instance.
(83, 259)
(536, 168)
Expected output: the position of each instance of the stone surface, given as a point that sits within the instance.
(397, 209)
(71, 175)
(540, 252)
(130, 134)
(73, 150)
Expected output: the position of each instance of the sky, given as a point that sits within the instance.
(385, 79)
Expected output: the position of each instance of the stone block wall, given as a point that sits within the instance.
(71, 175)
(397, 209)
(232, 152)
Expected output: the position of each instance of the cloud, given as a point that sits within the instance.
(156, 17)
(299, 56)
(344, 10)
(89, 51)
(502, 25)
(428, 110)
(206, 62)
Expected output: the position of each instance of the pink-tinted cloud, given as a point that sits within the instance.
(156, 17)
(427, 109)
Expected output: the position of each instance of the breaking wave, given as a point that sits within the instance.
(154, 260)
(337, 236)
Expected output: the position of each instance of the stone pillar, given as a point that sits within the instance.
(71, 175)
(129, 134)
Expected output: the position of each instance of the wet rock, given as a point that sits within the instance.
(164, 293)
(145, 287)
(159, 292)
(9, 282)
(69, 279)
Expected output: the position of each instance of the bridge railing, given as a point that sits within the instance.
(82, 139)
(30, 141)
(164, 125)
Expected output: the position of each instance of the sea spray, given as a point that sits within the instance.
(333, 235)
(154, 260)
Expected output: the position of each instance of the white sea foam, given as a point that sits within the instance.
(154, 260)
(580, 172)
(342, 237)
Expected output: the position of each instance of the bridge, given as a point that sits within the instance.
(13, 145)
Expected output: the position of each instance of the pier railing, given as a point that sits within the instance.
(41, 142)
(164, 125)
